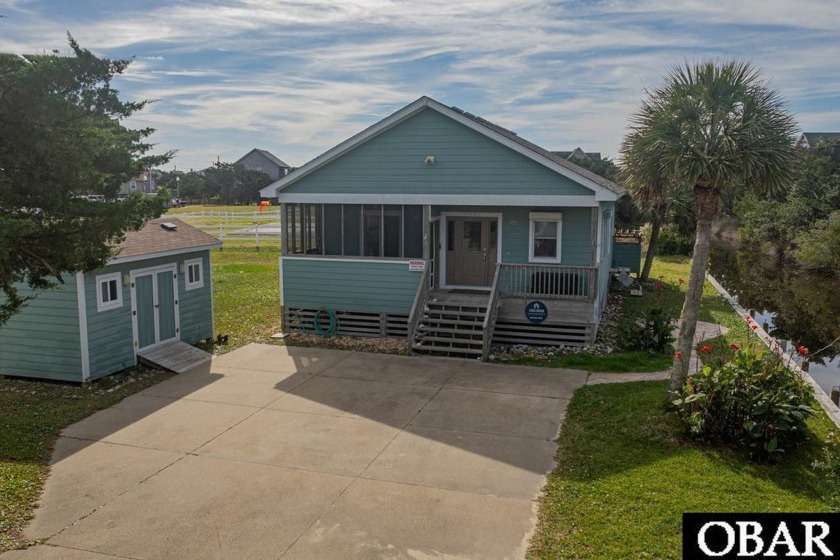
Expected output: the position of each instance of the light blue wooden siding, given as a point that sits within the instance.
(576, 235)
(196, 305)
(43, 339)
(466, 162)
(382, 287)
(110, 334)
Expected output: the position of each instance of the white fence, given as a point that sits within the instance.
(248, 227)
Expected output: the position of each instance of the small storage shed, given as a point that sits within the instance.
(157, 289)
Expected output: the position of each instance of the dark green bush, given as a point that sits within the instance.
(752, 402)
(653, 333)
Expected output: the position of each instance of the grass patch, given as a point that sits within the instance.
(32, 413)
(246, 295)
(624, 478)
(619, 362)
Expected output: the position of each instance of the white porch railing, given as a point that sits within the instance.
(548, 281)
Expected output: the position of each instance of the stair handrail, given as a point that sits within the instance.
(491, 314)
(416, 309)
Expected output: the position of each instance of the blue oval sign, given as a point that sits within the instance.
(536, 311)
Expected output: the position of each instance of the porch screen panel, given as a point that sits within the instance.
(294, 232)
(372, 240)
(392, 228)
(332, 229)
(312, 226)
(413, 232)
(352, 229)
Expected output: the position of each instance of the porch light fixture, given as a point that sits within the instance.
(126, 279)
(430, 160)
(182, 268)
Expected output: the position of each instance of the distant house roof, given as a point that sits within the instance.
(268, 155)
(483, 126)
(578, 153)
(809, 139)
(160, 237)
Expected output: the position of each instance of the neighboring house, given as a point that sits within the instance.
(577, 153)
(265, 162)
(145, 183)
(443, 227)
(809, 139)
(156, 289)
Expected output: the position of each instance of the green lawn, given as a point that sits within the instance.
(246, 295)
(624, 478)
(32, 413)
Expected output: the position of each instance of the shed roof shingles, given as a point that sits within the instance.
(154, 238)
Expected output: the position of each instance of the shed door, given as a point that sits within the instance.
(154, 299)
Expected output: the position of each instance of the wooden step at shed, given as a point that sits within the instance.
(174, 356)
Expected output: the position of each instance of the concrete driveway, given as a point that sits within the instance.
(285, 452)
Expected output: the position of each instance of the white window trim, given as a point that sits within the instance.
(193, 285)
(115, 304)
(556, 217)
(606, 232)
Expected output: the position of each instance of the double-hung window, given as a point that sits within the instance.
(108, 292)
(194, 275)
(545, 236)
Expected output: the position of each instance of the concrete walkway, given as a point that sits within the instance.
(283, 452)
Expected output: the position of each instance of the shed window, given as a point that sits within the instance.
(194, 274)
(108, 292)
(545, 236)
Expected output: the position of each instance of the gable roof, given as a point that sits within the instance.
(577, 153)
(266, 154)
(813, 138)
(602, 188)
(153, 239)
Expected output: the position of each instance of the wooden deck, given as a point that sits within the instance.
(174, 356)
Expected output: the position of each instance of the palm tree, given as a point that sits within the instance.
(656, 197)
(711, 125)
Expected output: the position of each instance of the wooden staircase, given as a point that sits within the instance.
(452, 324)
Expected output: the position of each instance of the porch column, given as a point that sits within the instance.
(284, 236)
(427, 214)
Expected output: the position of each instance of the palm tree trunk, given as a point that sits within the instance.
(655, 226)
(707, 203)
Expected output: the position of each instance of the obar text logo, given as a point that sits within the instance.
(761, 535)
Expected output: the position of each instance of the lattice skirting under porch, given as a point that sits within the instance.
(352, 323)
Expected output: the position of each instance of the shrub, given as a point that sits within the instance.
(829, 467)
(653, 333)
(752, 402)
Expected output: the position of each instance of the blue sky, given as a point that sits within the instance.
(297, 77)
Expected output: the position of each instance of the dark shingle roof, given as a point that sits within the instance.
(153, 237)
(563, 162)
(567, 155)
(813, 138)
(267, 155)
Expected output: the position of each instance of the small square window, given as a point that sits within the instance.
(194, 274)
(545, 236)
(108, 292)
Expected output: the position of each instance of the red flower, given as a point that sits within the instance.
(803, 350)
(748, 318)
(678, 355)
(734, 347)
(707, 348)
(658, 286)
(754, 327)
(682, 281)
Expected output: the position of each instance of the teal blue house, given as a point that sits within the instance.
(157, 289)
(444, 228)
